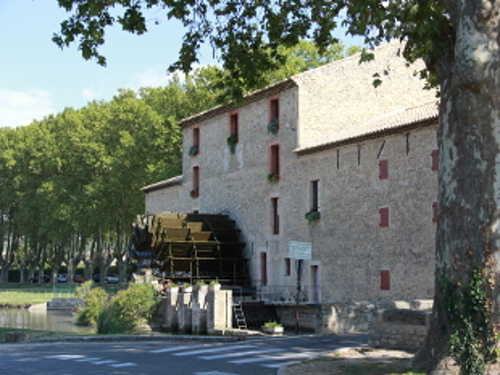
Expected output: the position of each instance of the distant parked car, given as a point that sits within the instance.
(62, 278)
(79, 279)
(112, 279)
(45, 279)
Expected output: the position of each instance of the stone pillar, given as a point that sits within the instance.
(171, 322)
(199, 310)
(220, 310)
(184, 312)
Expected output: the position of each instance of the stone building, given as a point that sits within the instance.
(332, 181)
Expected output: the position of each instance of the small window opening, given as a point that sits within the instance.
(275, 216)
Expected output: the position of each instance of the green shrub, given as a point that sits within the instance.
(95, 300)
(128, 309)
(84, 289)
(272, 325)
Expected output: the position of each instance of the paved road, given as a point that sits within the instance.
(261, 356)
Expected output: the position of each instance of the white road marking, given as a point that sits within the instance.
(126, 364)
(276, 365)
(241, 354)
(175, 348)
(65, 357)
(215, 350)
(88, 359)
(280, 357)
(105, 362)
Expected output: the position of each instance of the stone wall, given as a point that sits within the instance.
(400, 329)
(195, 310)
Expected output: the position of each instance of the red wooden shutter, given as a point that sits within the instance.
(435, 160)
(383, 169)
(196, 137)
(385, 280)
(196, 182)
(234, 125)
(263, 268)
(384, 217)
(275, 110)
(274, 167)
(275, 216)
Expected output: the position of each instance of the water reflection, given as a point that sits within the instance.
(59, 321)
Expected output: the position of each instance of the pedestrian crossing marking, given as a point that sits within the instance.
(277, 365)
(105, 362)
(241, 354)
(126, 364)
(64, 357)
(88, 359)
(214, 350)
(280, 357)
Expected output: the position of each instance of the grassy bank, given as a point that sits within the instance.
(39, 334)
(30, 294)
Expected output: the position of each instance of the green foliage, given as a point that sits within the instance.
(127, 309)
(232, 141)
(312, 216)
(95, 302)
(273, 178)
(193, 150)
(84, 289)
(273, 126)
(472, 340)
(272, 325)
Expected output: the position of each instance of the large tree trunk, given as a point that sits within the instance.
(468, 232)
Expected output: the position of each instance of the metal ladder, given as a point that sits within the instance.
(239, 315)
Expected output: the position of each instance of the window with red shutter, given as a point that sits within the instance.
(275, 219)
(435, 160)
(263, 268)
(196, 137)
(196, 182)
(234, 125)
(435, 212)
(275, 110)
(383, 169)
(384, 217)
(274, 165)
(385, 280)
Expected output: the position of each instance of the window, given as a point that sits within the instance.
(384, 217)
(195, 148)
(196, 137)
(274, 162)
(383, 169)
(275, 219)
(288, 266)
(196, 182)
(435, 160)
(274, 112)
(233, 126)
(263, 269)
(385, 280)
(435, 212)
(315, 196)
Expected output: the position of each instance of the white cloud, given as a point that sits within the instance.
(156, 76)
(21, 107)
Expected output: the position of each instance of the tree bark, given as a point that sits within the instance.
(468, 231)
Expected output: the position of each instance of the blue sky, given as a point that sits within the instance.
(37, 78)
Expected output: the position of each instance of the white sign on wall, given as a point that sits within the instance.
(300, 250)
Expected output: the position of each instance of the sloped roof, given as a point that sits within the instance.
(250, 98)
(421, 115)
(177, 180)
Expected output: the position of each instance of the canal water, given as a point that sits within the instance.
(59, 321)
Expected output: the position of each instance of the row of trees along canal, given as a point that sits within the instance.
(70, 183)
